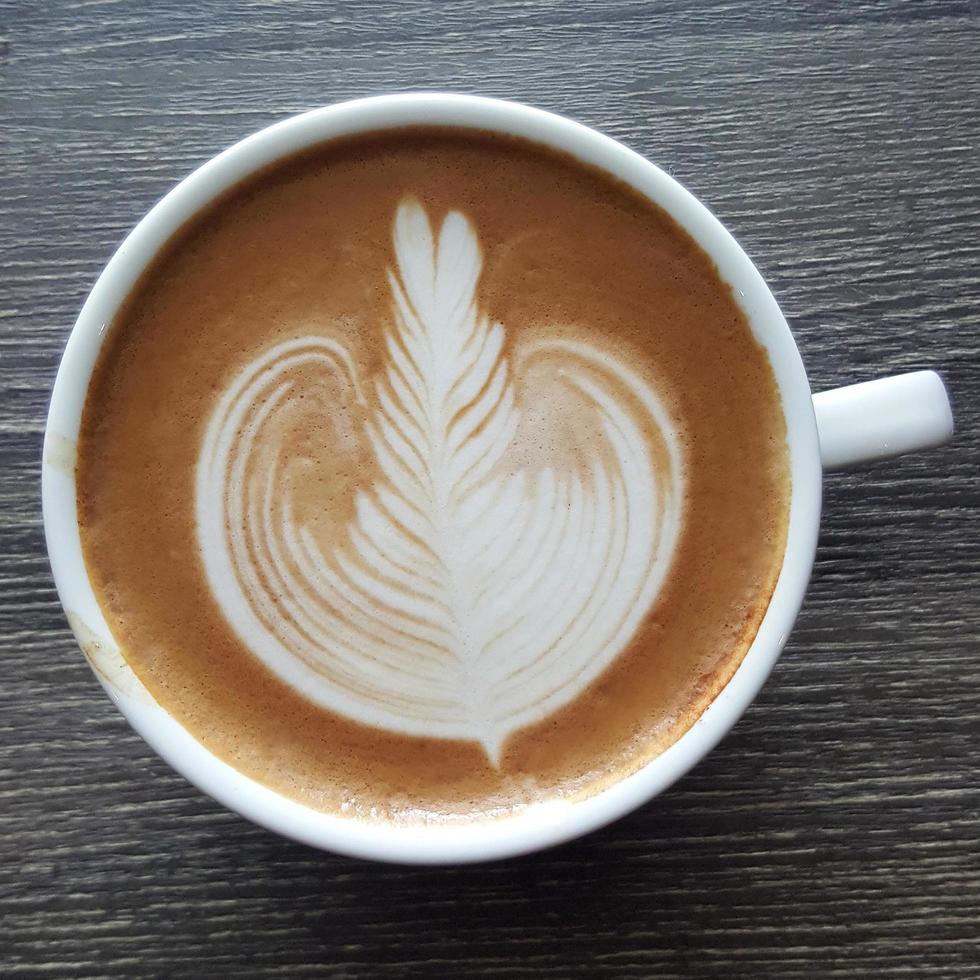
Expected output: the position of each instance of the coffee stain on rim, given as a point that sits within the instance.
(61, 453)
(107, 661)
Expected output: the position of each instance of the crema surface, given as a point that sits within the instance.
(431, 474)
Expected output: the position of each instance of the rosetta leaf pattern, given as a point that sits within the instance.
(469, 596)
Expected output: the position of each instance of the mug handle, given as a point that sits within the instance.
(883, 418)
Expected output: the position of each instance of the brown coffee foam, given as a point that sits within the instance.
(304, 248)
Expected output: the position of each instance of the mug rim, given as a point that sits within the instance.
(540, 825)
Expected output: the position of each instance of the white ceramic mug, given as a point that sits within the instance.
(833, 429)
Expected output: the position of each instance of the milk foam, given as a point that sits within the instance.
(472, 592)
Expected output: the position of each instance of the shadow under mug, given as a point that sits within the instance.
(833, 429)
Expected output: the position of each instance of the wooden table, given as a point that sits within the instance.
(834, 833)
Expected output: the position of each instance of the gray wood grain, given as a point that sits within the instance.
(834, 834)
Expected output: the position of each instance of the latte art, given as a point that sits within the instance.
(520, 513)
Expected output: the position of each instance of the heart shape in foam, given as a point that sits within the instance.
(480, 582)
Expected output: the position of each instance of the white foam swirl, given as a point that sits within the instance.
(468, 596)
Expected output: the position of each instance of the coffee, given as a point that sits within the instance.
(431, 473)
